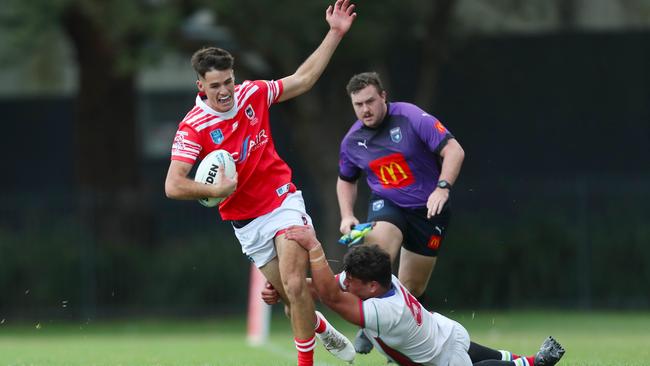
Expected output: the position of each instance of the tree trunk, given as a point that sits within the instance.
(106, 157)
(434, 51)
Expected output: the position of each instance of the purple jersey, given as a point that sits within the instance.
(400, 157)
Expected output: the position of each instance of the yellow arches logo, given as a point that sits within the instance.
(392, 171)
(387, 173)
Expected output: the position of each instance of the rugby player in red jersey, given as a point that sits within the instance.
(261, 199)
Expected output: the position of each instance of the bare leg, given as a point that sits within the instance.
(387, 236)
(415, 271)
(293, 261)
(271, 272)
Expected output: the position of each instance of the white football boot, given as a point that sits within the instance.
(335, 342)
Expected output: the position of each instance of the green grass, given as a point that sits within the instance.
(594, 339)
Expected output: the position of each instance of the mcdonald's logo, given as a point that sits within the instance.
(388, 173)
(392, 171)
(434, 242)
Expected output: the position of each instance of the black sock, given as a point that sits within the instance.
(494, 363)
(479, 353)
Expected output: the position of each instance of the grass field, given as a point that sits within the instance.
(592, 339)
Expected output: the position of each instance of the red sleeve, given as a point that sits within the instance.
(362, 317)
(186, 146)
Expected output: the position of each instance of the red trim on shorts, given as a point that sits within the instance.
(280, 232)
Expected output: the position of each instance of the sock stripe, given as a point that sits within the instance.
(521, 362)
(305, 345)
(321, 324)
(506, 356)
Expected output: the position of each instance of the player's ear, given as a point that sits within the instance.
(199, 85)
(374, 287)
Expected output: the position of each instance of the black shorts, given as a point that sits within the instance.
(420, 235)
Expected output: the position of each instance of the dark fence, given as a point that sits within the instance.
(552, 208)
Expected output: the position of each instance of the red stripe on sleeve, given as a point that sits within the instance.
(362, 317)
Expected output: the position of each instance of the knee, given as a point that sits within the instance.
(294, 286)
(416, 289)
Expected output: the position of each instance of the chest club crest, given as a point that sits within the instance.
(396, 134)
(250, 114)
(217, 136)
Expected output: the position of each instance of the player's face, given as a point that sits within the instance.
(363, 290)
(369, 105)
(219, 87)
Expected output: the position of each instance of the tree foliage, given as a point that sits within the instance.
(112, 40)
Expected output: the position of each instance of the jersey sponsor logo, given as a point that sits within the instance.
(434, 241)
(249, 145)
(216, 136)
(396, 134)
(362, 143)
(250, 113)
(440, 127)
(392, 171)
(377, 205)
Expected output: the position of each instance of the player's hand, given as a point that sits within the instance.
(225, 185)
(347, 223)
(304, 235)
(269, 294)
(436, 201)
(340, 16)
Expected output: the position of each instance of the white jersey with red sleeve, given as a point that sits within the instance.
(264, 178)
(402, 329)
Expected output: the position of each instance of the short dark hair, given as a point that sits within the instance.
(369, 263)
(209, 58)
(360, 81)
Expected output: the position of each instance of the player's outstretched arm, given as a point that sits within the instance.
(344, 303)
(178, 186)
(346, 193)
(339, 17)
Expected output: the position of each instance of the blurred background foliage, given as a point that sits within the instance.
(548, 98)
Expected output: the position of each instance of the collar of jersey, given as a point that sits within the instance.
(223, 115)
(388, 293)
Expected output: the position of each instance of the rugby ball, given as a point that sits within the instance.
(206, 173)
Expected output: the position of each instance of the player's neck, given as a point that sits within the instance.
(385, 292)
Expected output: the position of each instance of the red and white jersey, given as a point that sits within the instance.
(402, 329)
(264, 178)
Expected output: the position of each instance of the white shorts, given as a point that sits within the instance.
(454, 351)
(256, 238)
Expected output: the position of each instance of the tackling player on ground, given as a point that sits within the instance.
(411, 162)
(368, 295)
(262, 200)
